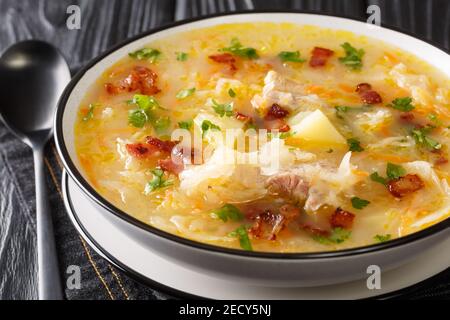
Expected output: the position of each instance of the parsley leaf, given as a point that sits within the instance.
(183, 94)
(145, 102)
(237, 49)
(290, 56)
(382, 238)
(231, 93)
(420, 135)
(146, 54)
(182, 56)
(394, 171)
(90, 114)
(354, 145)
(225, 109)
(340, 110)
(353, 57)
(226, 212)
(359, 203)
(338, 235)
(186, 124)
(137, 118)
(242, 234)
(158, 182)
(377, 178)
(208, 125)
(402, 104)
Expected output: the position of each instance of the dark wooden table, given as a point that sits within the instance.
(103, 24)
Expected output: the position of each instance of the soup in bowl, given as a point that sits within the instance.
(265, 136)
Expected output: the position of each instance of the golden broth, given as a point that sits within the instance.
(332, 199)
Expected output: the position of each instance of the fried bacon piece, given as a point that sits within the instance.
(138, 150)
(274, 119)
(164, 146)
(150, 147)
(242, 117)
(276, 112)
(225, 58)
(319, 57)
(342, 219)
(368, 96)
(140, 79)
(269, 224)
(405, 185)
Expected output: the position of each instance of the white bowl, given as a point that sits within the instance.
(272, 269)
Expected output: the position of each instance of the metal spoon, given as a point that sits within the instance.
(33, 75)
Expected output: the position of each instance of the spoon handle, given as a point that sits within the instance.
(48, 272)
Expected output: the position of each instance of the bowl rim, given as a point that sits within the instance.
(85, 186)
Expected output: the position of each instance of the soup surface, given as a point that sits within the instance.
(271, 137)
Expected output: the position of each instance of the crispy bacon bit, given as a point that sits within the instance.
(342, 219)
(138, 150)
(225, 58)
(405, 185)
(165, 146)
(407, 117)
(171, 166)
(319, 57)
(140, 79)
(284, 128)
(368, 96)
(276, 112)
(269, 224)
(242, 117)
(314, 230)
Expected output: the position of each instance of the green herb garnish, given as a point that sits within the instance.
(290, 56)
(341, 110)
(353, 57)
(225, 109)
(183, 94)
(228, 212)
(377, 178)
(231, 93)
(242, 234)
(146, 54)
(354, 145)
(186, 124)
(382, 238)
(90, 113)
(402, 104)
(145, 102)
(182, 56)
(237, 49)
(394, 171)
(208, 125)
(338, 235)
(359, 203)
(420, 135)
(138, 117)
(158, 182)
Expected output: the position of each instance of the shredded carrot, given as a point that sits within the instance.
(346, 88)
(389, 157)
(391, 58)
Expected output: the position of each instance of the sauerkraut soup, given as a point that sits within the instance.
(271, 137)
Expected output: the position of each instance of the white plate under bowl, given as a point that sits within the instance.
(136, 260)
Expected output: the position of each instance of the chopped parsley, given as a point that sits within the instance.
(138, 117)
(338, 235)
(341, 110)
(145, 102)
(90, 113)
(359, 203)
(183, 94)
(208, 125)
(354, 145)
(420, 135)
(290, 56)
(382, 238)
(158, 182)
(231, 93)
(379, 179)
(353, 57)
(228, 212)
(146, 54)
(242, 234)
(182, 56)
(394, 171)
(222, 110)
(402, 104)
(186, 124)
(239, 50)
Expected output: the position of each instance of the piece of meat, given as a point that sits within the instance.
(276, 112)
(164, 146)
(288, 185)
(406, 185)
(342, 219)
(368, 96)
(171, 166)
(242, 117)
(140, 79)
(139, 150)
(225, 58)
(319, 57)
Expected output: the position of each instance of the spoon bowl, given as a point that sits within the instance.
(33, 74)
